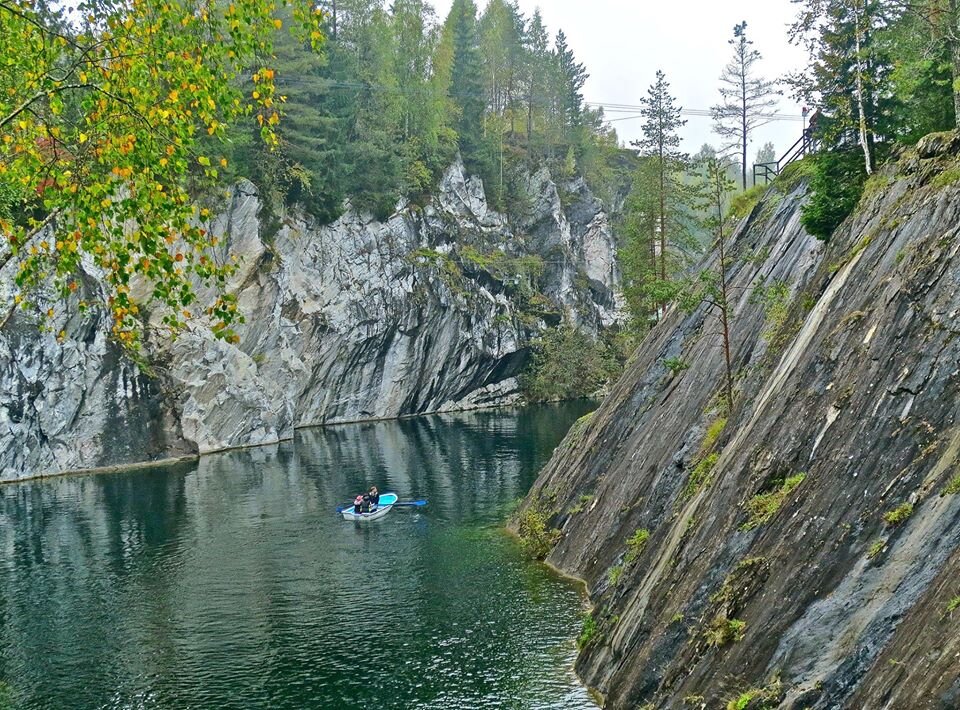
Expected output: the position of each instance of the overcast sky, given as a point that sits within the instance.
(624, 42)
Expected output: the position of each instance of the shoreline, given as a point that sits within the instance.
(171, 461)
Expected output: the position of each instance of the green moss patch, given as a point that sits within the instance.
(635, 545)
(713, 433)
(761, 508)
(758, 698)
(588, 631)
(723, 631)
(953, 487)
(898, 515)
(701, 475)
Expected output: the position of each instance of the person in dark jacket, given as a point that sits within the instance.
(374, 496)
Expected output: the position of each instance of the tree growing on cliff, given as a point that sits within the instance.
(848, 80)
(711, 285)
(466, 89)
(108, 124)
(747, 99)
(665, 198)
(537, 74)
(572, 76)
(847, 74)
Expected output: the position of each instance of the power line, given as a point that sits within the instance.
(697, 112)
(606, 106)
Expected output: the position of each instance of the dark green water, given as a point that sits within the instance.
(232, 584)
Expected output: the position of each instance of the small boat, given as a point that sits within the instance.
(387, 501)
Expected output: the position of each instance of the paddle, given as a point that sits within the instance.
(399, 504)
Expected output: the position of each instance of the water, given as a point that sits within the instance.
(231, 583)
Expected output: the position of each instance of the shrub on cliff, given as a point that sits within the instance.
(570, 364)
(535, 537)
(835, 186)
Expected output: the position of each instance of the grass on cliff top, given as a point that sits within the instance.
(742, 205)
(764, 506)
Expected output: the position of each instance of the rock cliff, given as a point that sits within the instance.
(433, 309)
(803, 549)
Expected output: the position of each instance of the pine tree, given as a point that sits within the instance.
(308, 168)
(717, 295)
(428, 140)
(747, 99)
(638, 253)
(924, 37)
(661, 146)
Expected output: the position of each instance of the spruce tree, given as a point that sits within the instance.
(573, 75)
(537, 43)
(466, 84)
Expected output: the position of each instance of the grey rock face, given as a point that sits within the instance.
(851, 378)
(360, 319)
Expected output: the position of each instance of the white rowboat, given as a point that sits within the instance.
(387, 501)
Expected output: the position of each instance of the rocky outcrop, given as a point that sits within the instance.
(433, 309)
(803, 549)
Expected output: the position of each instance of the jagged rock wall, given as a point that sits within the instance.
(360, 319)
(842, 590)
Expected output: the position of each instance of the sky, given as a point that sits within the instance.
(624, 42)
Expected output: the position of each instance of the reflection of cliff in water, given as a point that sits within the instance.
(228, 582)
(465, 463)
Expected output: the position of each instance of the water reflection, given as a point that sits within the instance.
(230, 583)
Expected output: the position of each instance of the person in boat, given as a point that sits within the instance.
(374, 495)
(358, 504)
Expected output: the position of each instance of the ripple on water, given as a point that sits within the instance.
(231, 584)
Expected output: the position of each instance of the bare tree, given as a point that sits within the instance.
(747, 100)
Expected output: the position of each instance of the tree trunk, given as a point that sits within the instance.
(724, 303)
(953, 38)
(663, 221)
(864, 139)
(531, 96)
(743, 121)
